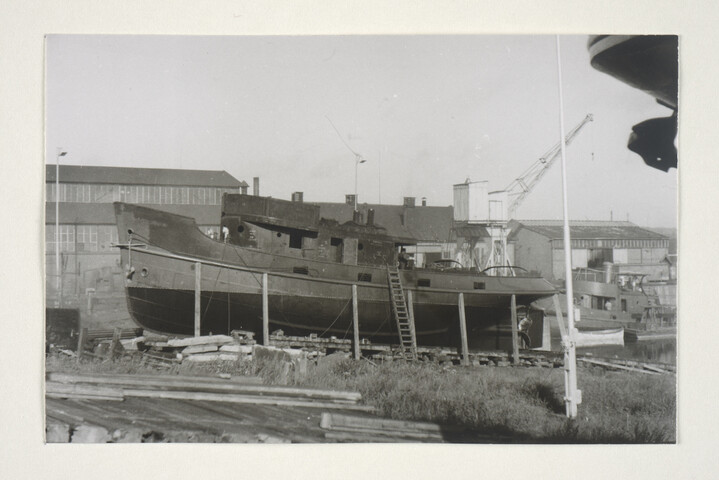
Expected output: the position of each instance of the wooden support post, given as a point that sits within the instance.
(515, 332)
(114, 344)
(355, 323)
(410, 312)
(463, 331)
(198, 297)
(265, 312)
(81, 339)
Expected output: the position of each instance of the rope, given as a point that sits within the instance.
(337, 317)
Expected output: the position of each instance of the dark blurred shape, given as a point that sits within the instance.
(654, 140)
(649, 63)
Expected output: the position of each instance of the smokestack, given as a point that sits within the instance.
(350, 199)
(256, 186)
(424, 201)
(297, 197)
(370, 217)
(357, 217)
(409, 202)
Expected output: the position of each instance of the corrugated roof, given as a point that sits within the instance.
(104, 213)
(586, 229)
(425, 224)
(143, 176)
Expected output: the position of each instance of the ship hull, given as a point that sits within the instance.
(162, 284)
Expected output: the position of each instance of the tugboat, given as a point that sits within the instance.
(308, 266)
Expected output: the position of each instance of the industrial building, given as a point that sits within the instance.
(538, 246)
(86, 220)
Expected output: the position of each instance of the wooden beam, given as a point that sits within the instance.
(191, 384)
(198, 297)
(244, 399)
(463, 331)
(515, 332)
(81, 339)
(355, 323)
(265, 312)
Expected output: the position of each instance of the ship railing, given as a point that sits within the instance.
(589, 275)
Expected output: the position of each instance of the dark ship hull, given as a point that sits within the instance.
(161, 253)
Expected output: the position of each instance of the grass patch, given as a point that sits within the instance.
(524, 404)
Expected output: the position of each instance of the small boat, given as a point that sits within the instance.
(594, 338)
(308, 267)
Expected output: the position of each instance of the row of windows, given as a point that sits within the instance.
(616, 243)
(81, 238)
(151, 194)
(94, 238)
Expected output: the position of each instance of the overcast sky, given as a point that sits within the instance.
(425, 111)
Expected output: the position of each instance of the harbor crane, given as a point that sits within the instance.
(518, 190)
(503, 204)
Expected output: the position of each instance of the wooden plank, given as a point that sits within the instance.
(356, 437)
(337, 421)
(189, 350)
(159, 382)
(204, 340)
(515, 332)
(620, 367)
(212, 357)
(157, 379)
(463, 331)
(198, 297)
(56, 388)
(265, 312)
(243, 399)
(355, 323)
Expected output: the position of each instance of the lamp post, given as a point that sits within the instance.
(358, 160)
(58, 279)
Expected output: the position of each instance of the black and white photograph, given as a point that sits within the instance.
(355, 239)
(360, 239)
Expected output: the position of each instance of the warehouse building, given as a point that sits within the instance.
(88, 261)
(539, 247)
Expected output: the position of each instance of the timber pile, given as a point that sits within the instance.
(350, 428)
(238, 390)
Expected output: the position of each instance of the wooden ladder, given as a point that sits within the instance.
(405, 321)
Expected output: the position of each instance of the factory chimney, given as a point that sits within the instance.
(256, 186)
(409, 202)
(370, 217)
(297, 197)
(424, 201)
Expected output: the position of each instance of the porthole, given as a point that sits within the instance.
(129, 230)
(240, 228)
(279, 234)
(360, 247)
(144, 272)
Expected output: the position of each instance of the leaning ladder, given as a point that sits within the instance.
(405, 321)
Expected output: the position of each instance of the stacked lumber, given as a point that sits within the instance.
(242, 390)
(352, 428)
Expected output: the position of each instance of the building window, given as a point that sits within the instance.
(66, 237)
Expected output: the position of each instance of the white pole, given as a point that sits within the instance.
(573, 396)
(58, 279)
(356, 165)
